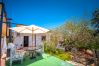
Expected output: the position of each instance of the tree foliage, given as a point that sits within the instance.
(95, 20)
(78, 35)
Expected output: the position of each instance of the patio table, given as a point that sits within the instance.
(32, 51)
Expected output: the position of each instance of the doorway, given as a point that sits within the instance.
(26, 41)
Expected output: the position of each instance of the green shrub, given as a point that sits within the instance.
(64, 56)
(48, 48)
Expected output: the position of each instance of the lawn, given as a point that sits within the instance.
(44, 60)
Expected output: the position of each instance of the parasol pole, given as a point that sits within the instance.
(32, 37)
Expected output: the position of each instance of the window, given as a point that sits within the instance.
(18, 34)
(43, 38)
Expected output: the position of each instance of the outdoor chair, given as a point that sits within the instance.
(15, 56)
(39, 50)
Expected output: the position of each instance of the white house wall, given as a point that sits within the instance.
(18, 40)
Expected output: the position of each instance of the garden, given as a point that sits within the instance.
(78, 40)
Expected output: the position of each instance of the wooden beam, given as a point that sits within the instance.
(2, 8)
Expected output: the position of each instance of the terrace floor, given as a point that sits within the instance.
(44, 60)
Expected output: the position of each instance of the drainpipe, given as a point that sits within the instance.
(35, 40)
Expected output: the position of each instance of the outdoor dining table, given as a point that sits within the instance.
(32, 51)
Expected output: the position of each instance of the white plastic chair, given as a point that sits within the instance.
(14, 56)
(39, 50)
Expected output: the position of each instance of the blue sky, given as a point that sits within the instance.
(48, 13)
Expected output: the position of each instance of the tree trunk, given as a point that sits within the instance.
(97, 55)
(94, 55)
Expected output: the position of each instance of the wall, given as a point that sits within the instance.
(18, 40)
